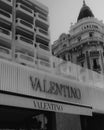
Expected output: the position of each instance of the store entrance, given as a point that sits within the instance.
(95, 122)
(25, 119)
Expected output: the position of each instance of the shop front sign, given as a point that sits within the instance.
(55, 88)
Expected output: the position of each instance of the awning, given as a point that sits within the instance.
(40, 104)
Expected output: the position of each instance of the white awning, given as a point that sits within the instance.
(32, 103)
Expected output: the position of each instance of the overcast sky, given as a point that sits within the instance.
(64, 12)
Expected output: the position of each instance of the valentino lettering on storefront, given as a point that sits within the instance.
(54, 88)
(47, 106)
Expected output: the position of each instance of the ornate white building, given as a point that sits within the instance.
(84, 45)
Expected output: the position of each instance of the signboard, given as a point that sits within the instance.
(55, 88)
(41, 84)
(63, 108)
(31, 103)
(59, 89)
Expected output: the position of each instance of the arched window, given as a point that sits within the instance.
(91, 34)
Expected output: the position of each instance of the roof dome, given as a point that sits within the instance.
(85, 12)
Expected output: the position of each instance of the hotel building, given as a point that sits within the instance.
(84, 45)
(82, 57)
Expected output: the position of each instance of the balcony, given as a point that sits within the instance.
(44, 57)
(43, 49)
(24, 59)
(26, 3)
(25, 25)
(43, 11)
(5, 53)
(94, 54)
(5, 16)
(24, 42)
(41, 20)
(26, 12)
(81, 57)
(23, 32)
(42, 34)
(5, 35)
(43, 65)
(7, 2)
(6, 25)
(96, 68)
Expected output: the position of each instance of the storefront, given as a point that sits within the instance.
(31, 99)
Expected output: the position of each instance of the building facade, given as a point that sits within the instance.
(84, 45)
(34, 95)
(24, 29)
(31, 95)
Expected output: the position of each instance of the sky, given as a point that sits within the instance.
(64, 12)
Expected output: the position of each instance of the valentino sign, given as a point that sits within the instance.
(55, 88)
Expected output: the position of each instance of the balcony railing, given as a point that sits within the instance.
(24, 42)
(8, 2)
(43, 50)
(43, 65)
(24, 32)
(24, 9)
(42, 33)
(43, 47)
(24, 59)
(81, 57)
(44, 57)
(26, 3)
(5, 35)
(41, 19)
(94, 53)
(88, 40)
(5, 53)
(24, 24)
(5, 15)
(41, 10)
(60, 68)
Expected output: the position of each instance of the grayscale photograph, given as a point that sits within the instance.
(51, 65)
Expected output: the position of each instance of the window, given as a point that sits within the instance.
(64, 38)
(96, 63)
(82, 63)
(64, 57)
(69, 57)
(91, 34)
(79, 39)
(64, 45)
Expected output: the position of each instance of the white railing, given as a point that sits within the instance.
(42, 33)
(57, 67)
(9, 2)
(5, 35)
(24, 24)
(44, 57)
(24, 9)
(78, 73)
(24, 59)
(5, 15)
(43, 49)
(42, 18)
(5, 53)
(22, 41)
(44, 65)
